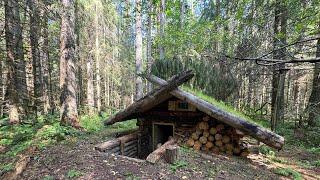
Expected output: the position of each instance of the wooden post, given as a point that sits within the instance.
(158, 153)
(172, 153)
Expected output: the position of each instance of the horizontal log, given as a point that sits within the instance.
(115, 149)
(158, 153)
(153, 98)
(184, 114)
(264, 135)
(131, 142)
(132, 154)
(135, 144)
(126, 132)
(128, 137)
(130, 149)
(115, 153)
(107, 145)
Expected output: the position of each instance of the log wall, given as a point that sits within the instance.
(127, 145)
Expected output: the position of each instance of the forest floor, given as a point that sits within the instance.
(76, 159)
(58, 152)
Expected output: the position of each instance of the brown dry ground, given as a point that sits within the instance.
(76, 159)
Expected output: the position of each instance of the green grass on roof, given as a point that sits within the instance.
(222, 105)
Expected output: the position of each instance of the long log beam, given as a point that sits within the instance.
(153, 98)
(264, 135)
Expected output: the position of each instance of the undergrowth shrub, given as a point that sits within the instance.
(288, 172)
(92, 123)
(125, 125)
(178, 165)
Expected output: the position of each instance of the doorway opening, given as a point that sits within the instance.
(161, 133)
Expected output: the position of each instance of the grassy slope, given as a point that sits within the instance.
(46, 131)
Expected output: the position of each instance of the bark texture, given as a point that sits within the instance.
(162, 22)
(35, 50)
(314, 100)
(46, 63)
(90, 89)
(139, 87)
(16, 77)
(278, 77)
(69, 112)
(149, 43)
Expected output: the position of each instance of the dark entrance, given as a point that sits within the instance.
(161, 133)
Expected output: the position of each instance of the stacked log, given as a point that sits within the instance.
(125, 145)
(210, 136)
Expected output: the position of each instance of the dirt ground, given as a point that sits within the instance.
(77, 159)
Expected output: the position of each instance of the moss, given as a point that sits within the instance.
(225, 107)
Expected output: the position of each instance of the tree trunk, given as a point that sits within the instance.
(97, 57)
(35, 50)
(278, 77)
(2, 87)
(15, 62)
(162, 22)
(90, 89)
(45, 61)
(182, 12)
(149, 43)
(314, 100)
(78, 59)
(139, 88)
(68, 86)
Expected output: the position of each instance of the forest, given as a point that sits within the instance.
(69, 66)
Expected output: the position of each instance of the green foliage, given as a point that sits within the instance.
(39, 132)
(310, 140)
(73, 173)
(288, 172)
(54, 132)
(208, 75)
(92, 123)
(314, 150)
(125, 125)
(131, 176)
(17, 148)
(316, 163)
(6, 167)
(178, 165)
(266, 150)
(47, 177)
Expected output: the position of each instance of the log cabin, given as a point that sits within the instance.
(169, 114)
